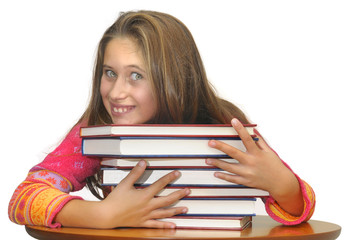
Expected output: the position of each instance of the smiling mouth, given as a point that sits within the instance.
(122, 109)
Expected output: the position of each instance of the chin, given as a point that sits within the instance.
(122, 122)
(125, 121)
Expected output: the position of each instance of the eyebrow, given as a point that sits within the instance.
(128, 66)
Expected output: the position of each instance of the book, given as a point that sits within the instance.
(188, 130)
(171, 163)
(217, 192)
(139, 147)
(217, 207)
(189, 177)
(215, 223)
(212, 192)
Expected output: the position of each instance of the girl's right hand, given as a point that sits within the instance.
(127, 206)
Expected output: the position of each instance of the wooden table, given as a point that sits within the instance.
(263, 227)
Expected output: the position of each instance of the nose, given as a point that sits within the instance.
(119, 89)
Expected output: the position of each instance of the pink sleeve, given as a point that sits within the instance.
(275, 211)
(68, 161)
(38, 199)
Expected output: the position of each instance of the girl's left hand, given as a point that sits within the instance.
(258, 167)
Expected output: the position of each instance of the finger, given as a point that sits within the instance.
(247, 139)
(262, 144)
(158, 224)
(229, 150)
(238, 179)
(135, 173)
(167, 212)
(161, 202)
(163, 181)
(221, 164)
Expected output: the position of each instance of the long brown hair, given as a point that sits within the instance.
(174, 66)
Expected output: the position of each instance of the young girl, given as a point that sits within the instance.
(148, 70)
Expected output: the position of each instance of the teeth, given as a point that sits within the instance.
(120, 110)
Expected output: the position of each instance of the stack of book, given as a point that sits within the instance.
(212, 204)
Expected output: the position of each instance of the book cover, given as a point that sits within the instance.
(217, 207)
(210, 192)
(217, 192)
(139, 147)
(215, 223)
(190, 130)
(189, 177)
(152, 163)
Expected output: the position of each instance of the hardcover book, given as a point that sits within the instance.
(215, 223)
(188, 130)
(140, 147)
(189, 177)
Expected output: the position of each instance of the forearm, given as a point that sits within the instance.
(81, 213)
(39, 198)
(36, 203)
(288, 194)
(297, 205)
(39, 204)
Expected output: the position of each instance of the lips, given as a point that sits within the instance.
(120, 109)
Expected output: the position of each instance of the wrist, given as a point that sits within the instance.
(106, 218)
(285, 185)
(81, 213)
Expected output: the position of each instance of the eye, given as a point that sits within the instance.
(135, 76)
(110, 74)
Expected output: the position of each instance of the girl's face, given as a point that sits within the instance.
(125, 88)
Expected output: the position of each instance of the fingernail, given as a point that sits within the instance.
(212, 143)
(141, 163)
(177, 173)
(235, 122)
(185, 210)
(209, 161)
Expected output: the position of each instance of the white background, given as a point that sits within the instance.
(292, 66)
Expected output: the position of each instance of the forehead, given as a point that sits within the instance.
(123, 51)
